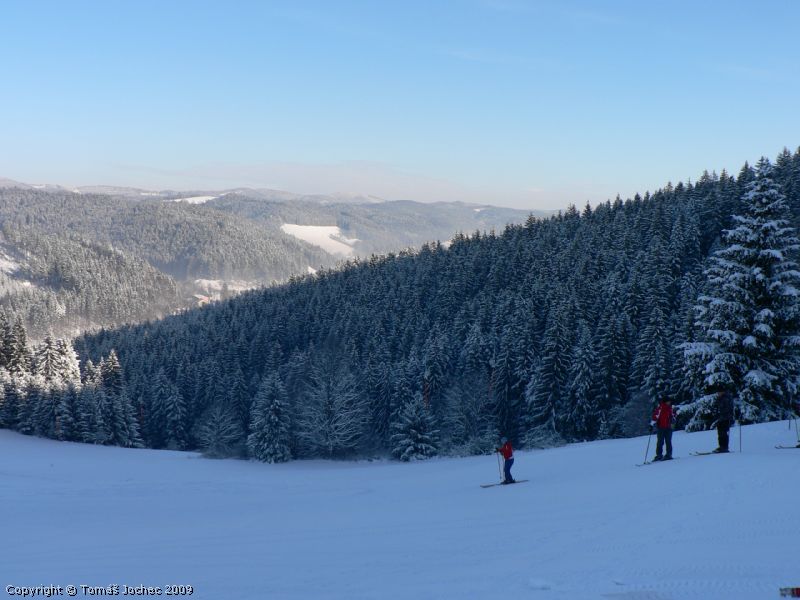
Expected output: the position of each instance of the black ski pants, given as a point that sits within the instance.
(664, 435)
(508, 463)
(723, 433)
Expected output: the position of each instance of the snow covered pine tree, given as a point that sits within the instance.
(749, 313)
(269, 423)
(414, 436)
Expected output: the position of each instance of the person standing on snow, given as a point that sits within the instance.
(508, 459)
(723, 406)
(663, 419)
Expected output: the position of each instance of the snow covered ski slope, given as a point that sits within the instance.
(588, 525)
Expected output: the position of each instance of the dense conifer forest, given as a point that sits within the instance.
(561, 329)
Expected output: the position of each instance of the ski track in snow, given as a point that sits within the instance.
(589, 525)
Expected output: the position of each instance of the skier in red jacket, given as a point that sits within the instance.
(508, 459)
(663, 418)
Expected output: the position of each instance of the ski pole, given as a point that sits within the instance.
(499, 467)
(649, 437)
(740, 435)
(741, 414)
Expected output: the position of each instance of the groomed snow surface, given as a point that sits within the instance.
(588, 525)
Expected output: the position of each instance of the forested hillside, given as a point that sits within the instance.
(68, 284)
(76, 262)
(72, 262)
(562, 329)
(183, 240)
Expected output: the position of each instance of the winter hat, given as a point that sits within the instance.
(503, 440)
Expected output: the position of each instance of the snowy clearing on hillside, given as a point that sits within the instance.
(7, 265)
(195, 199)
(588, 524)
(217, 285)
(327, 237)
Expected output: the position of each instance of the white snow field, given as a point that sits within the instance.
(327, 237)
(195, 199)
(589, 524)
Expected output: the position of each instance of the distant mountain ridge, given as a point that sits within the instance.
(272, 195)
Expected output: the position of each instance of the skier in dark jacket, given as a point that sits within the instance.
(663, 419)
(508, 459)
(723, 407)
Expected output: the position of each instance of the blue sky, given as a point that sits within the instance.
(526, 104)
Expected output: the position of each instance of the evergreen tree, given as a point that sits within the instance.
(101, 432)
(111, 374)
(546, 391)
(44, 402)
(175, 412)
(414, 436)
(334, 416)
(269, 439)
(749, 317)
(5, 335)
(219, 434)
(115, 419)
(584, 415)
(68, 365)
(66, 414)
(46, 360)
(92, 374)
(11, 411)
(470, 425)
(18, 358)
(156, 414)
(238, 396)
(30, 399)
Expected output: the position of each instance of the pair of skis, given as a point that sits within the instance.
(488, 485)
(779, 447)
(650, 462)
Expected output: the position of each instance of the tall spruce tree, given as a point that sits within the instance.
(334, 416)
(584, 416)
(175, 426)
(46, 359)
(219, 433)
(269, 439)
(749, 316)
(546, 392)
(414, 436)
